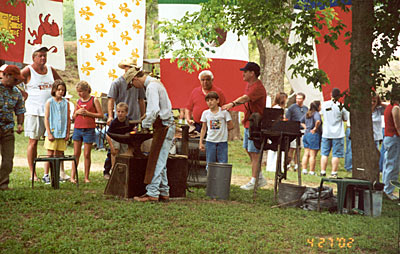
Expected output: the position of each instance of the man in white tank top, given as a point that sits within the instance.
(39, 78)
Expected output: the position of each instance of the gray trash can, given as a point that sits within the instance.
(219, 180)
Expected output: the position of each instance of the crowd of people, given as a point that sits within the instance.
(44, 111)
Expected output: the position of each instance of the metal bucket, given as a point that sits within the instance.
(376, 203)
(290, 194)
(219, 180)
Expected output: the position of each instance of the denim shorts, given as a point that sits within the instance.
(249, 144)
(87, 135)
(336, 144)
(312, 141)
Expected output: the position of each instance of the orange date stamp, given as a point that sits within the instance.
(330, 242)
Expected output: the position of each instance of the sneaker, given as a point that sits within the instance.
(247, 186)
(305, 172)
(64, 176)
(392, 197)
(295, 167)
(106, 176)
(46, 179)
(261, 182)
(323, 173)
(311, 173)
(334, 176)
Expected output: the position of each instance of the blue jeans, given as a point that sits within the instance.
(348, 156)
(159, 183)
(383, 150)
(217, 152)
(391, 166)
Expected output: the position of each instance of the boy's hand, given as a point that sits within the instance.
(202, 147)
(66, 137)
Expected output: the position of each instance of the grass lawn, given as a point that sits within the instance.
(71, 220)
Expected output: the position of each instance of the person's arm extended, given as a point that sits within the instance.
(188, 116)
(142, 107)
(241, 100)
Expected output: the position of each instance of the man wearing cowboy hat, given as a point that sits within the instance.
(159, 116)
(121, 92)
(39, 78)
(10, 101)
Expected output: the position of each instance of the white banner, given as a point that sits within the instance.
(44, 22)
(107, 32)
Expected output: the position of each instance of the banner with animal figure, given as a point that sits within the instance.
(108, 31)
(40, 23)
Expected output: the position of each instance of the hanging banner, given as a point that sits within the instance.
(231, 55)
(37, 24)
(108, 31)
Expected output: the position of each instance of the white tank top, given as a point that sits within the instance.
(39, 91)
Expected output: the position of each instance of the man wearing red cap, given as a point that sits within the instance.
(255, 98)
(38, 79)
(10, 101)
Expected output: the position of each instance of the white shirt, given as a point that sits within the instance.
(158, 103)
(334, 118)
(217, 130)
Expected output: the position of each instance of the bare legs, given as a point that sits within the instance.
(32, 154)
(309, 156)
(87, 159)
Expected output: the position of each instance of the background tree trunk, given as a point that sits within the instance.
(272, 63)
(234, 134)
(365, 153)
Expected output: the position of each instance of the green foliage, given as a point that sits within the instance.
(261, 19)
(6, 38)
(69, 27)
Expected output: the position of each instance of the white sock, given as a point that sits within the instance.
(323, 172)
(334, 173)
(253, 180)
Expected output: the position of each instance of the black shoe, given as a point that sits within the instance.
(323, 174)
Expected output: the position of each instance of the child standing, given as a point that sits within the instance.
(119, 125)
(86, 111)
(216, 122)
(312, 123)
(57, 124)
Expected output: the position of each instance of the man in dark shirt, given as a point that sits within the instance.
(294, 113)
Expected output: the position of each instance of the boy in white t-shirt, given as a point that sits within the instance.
(216, 123)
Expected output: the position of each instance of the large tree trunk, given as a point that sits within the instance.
(365, 153)
(272, 63)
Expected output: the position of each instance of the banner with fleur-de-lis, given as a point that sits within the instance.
(108, 31)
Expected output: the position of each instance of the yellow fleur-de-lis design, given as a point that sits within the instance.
(124, 9)
(111, 74)
(86, 40)
(86, 68)
(137, 26)
(100, 58)
(125, 37)
(137, 2)
(135, 53)
(100, 29)
(85, 11)
(111, 18)
(99, 2)
(112, 47)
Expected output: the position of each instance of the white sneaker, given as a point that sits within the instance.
(261, 182)
(46, 179)
(304, 171)
(392, 197)
(247, 186)
(311, 173)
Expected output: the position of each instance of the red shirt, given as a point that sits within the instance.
(85, 122)
(258, 97)
(197, 101)
(390, 129)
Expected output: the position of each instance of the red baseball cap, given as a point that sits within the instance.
(14, 71)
